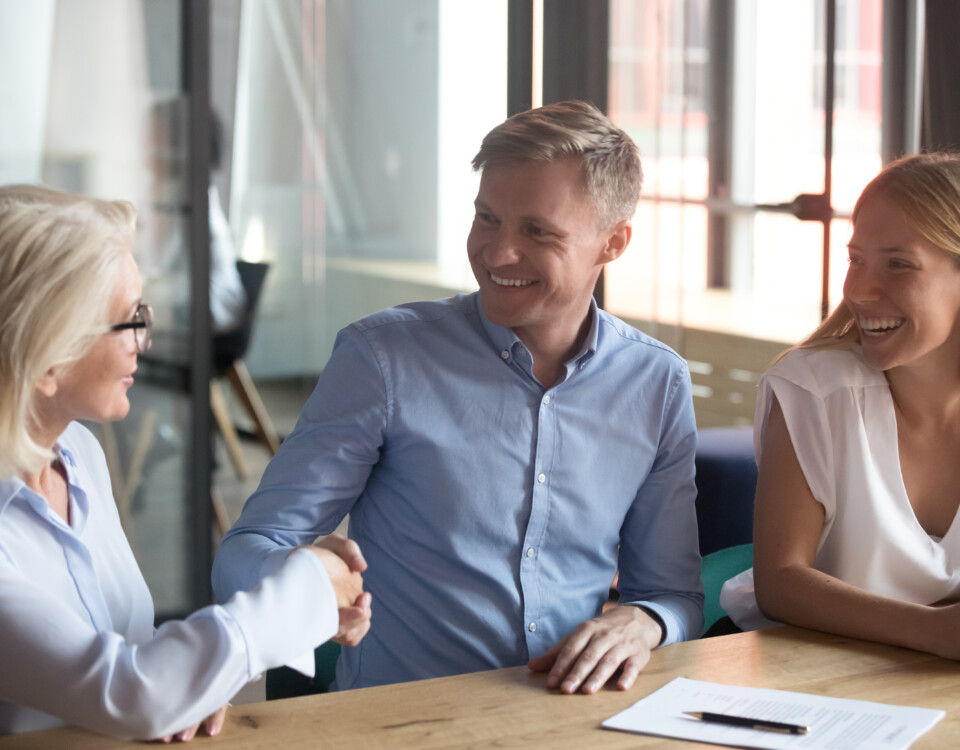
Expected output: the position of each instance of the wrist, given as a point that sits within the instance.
(654, 626)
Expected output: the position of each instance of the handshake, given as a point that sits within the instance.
(343, 561)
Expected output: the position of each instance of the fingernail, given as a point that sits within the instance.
(592, 686)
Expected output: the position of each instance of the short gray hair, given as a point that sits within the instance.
(59, 265)
(611, 161)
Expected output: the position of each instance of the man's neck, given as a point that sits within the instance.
(552, 349)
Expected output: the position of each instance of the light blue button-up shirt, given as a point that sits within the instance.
(493, 513)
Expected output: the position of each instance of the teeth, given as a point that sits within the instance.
(509, 282)
(877, 326)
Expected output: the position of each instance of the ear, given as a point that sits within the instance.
(618, 237)
(47, 385)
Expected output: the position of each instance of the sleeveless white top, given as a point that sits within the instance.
(840, 417)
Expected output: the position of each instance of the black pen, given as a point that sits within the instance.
(742, 721)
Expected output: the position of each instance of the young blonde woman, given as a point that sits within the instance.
(77, 642)
(858, 433)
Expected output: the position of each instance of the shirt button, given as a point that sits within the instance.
(530, 552)
(541, 478)
(505, 354)
(532, 627)
(546, 400)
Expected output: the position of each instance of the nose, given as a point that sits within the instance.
(129, 339)
(502, 249)
(860, 285)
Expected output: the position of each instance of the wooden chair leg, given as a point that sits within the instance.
(218, 403)
(242, 382)
(111, 452)
(145, 435)
(125, 482)
(220, 516)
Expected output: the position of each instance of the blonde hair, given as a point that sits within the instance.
(926, 187)
(59, 261)
(611, 161)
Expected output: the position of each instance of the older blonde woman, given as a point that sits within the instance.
(858, 433)
(77, 641)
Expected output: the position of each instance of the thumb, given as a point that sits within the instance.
(545, 661)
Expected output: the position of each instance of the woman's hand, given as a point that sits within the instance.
(211, 727)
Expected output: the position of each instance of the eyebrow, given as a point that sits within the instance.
(479, 205)
(854, 246)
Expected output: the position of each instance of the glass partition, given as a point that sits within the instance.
(92, 103)
(353, 129)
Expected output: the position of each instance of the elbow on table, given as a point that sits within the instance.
(776, 592)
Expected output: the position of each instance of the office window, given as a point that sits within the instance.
(727, 103)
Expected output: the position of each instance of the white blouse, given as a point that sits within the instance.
(77, 642)
(840, 416)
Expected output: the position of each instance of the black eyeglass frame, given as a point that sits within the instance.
(145, 313)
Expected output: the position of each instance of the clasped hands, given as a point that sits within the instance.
(344, 562)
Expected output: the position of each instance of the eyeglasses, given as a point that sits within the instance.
(141, 324)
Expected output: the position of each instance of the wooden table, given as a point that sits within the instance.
(510, 708)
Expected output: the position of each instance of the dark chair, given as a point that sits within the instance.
(726, 483)
(228, 351)
(284, 682)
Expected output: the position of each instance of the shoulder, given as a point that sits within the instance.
(81, 443)
(438, 312)
(614, 334)
(825, 371)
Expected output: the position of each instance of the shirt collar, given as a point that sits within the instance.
(506, 341)
(10, 488)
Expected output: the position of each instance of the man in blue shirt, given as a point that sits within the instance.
(503, 454)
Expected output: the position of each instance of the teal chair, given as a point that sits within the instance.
(718, 567)
(284, 682)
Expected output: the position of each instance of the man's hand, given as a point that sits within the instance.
(595, 649)
(346, 549)
(343, 561)
(354, 621)
(347, 582)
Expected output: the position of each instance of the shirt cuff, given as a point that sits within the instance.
(288, 614)
(670, 625)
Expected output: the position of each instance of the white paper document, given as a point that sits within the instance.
(835, 723)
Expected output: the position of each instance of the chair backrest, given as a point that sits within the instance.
(252, 276)
(726, 483)
(232, 345)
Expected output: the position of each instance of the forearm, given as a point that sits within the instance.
(242, 561)
(100, 681)
(803, 596)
